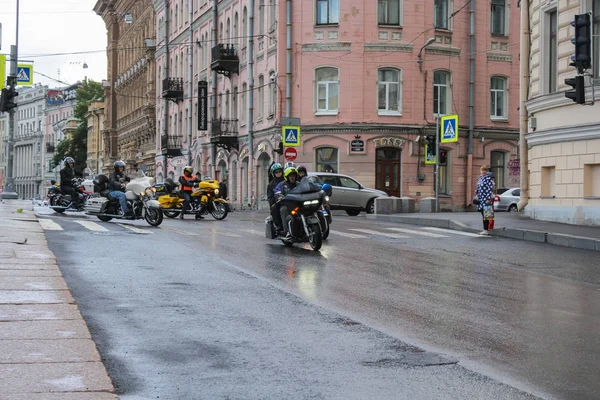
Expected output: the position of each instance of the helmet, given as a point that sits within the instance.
(276, 167)
(289, 164)
(302, 168)
(188, 170)
(288, 171)
(118, 164)
(69, 160)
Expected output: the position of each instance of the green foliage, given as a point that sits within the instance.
(76, 145)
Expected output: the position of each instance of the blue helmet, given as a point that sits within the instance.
(276, 167)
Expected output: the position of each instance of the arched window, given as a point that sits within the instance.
(261, 17)
(261, 96)
(236, 30)
(498, 97)
(441, 93)
(389, 86)
(244, 33)
(327, 90)
(221, 33)
(327, 159)
(234, 103)
(228, 31)
(176, 24)
(244, 105)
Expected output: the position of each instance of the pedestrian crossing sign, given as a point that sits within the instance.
(2, 70)
(449, 129)
(25, 74)
(290, 136)
(429, 155)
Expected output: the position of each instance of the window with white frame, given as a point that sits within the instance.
(498, 97)
(272, 94)
(389, 12)
(498, 18)
(327, 90)
(261, 96)
(328, 12)
(389, 87)
(441, 92)
(244, 105)
(441, 14)
(551, 50)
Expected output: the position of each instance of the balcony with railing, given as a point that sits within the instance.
(224, 133)
(225, 59)
(173, 89)
(171, 145)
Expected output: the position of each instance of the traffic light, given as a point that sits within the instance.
(582, 59)
(431, 141)
(6, 100)
(279, 148)
(443, 159)
(578, 92)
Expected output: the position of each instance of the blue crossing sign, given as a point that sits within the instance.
(24, 74)
(290, 136)
(449, 129)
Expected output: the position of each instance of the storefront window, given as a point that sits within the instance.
(327, 159)
(497, 167)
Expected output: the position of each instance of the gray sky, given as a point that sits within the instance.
(48, 27)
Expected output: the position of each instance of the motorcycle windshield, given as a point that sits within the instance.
(305, 186)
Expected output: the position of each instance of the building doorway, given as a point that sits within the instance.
(387, 169)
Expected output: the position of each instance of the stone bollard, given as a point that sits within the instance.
(427, 205)
(384, 205)
(408, 205)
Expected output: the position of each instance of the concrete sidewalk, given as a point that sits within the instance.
(510, 225)
(46, 350)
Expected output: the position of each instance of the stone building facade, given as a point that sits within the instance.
(357, 71)
(563, 137)
(129, 131)
(95, 121)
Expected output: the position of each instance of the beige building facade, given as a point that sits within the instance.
(95, 145)
(563, 137)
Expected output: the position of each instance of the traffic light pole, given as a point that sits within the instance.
(437, 163)
(8, 192)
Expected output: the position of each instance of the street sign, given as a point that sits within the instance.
(24, 74)
(202, 105)
(290, 154)
(290, 136)
(429, 155)
(2, 71)
(449, 129)
(357, 145)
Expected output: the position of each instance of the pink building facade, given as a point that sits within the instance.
(366, 79)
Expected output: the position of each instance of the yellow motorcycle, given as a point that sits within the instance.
(205, 199)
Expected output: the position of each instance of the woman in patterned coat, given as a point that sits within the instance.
(485, 195)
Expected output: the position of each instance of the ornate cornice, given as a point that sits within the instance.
(554, 100)
(491, 56)
(389, 47)
(564, 134)
(353, 128)
(333, 46)
(443, 51)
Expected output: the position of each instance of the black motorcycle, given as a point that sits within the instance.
(305, 203)
(61, 202)
(325, 214)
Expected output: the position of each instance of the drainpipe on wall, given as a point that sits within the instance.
(165, 131)
(469, 191)
(213, 86)
(288, 61)
(251, 102)
(524, 92)
(191, 83)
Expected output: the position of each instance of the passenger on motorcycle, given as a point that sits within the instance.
(116, 186)
(67, 174)
(290, 181)
(187, 181)
(301, 172)
(277, 172)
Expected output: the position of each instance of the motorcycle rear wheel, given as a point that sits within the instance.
(171, 214)
(219, 211)
(104, 218)
(154, 216)
(53, 204)
(315, 237)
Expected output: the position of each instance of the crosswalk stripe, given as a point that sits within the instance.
(136, 229)
(181, 232)
(92, 226)
(348, 235)
(228, 234)
(252, 231)
(455, 232)
(49, 225)
(370, 232)
(428, 234)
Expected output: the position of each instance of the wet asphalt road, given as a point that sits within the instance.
(212, 309)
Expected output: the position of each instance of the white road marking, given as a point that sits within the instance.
(181, 232)
(49, 225)
(348, 235)
(414, 232)
(92, 226)
(228, 234)
(252, 231)
(370, 232)
(455, 232)
(136, 229)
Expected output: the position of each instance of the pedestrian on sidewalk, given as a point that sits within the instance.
(485, 198)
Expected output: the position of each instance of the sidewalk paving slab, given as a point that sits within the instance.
(23, 351)
(62, 396)
(45, 329)
(39, 312)
(33, 283)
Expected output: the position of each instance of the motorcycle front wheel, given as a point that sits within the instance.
(154, 216)
(219, 211)
(315, 238)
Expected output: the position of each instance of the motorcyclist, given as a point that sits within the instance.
(277, 172)
(290, 175)
(67, 174)
(302, 172)
(116, 187)
(187, 181)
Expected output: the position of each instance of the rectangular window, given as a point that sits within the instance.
(498, 17)
(548, 181)
(552, 59)
(498, 98)
(441, 14)
(328, 12)
(591, 180)
(389, 12)
(327, 159)
(243, 113)
(497, 166)
(389, 91)
(441, 93)
(261, 97)
(327, 90)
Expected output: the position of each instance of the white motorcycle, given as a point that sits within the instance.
(140, 197)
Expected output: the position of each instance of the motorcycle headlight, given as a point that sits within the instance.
(327, 198)
(216, 191)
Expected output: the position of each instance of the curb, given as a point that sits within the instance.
(557, 239)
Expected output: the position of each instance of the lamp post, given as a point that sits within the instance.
(427, 43)
(8, 191)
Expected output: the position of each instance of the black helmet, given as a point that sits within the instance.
(118, 164)
(188, 170)
(69, 160)
(302, 169)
